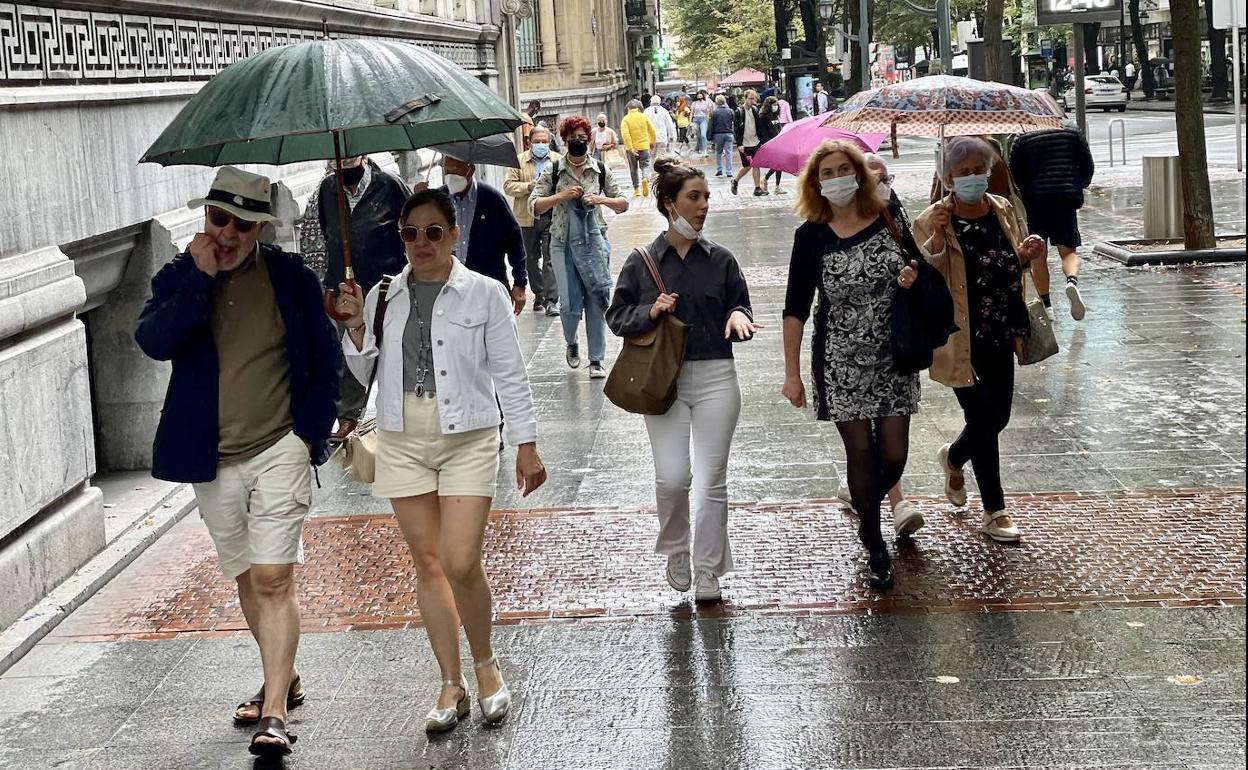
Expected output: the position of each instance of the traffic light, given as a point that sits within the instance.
(660, 57)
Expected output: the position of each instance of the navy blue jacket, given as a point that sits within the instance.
(495, 239)
(175, 326)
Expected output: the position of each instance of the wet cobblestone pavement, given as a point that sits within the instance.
(1113, 637)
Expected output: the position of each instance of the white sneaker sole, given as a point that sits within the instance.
(910, 524)
(1077, 309)
(1002, 537)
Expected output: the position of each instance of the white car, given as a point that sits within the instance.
(1103, 91)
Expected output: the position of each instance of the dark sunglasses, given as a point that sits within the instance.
(222, 219)
(433, 233)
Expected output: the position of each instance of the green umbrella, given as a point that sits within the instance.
(330, 99)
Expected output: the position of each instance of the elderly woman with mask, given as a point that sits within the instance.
(573, 188)
(976, 245)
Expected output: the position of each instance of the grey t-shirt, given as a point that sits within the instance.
(417, 336)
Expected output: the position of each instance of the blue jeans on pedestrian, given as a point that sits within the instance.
(575, 301)
(723, 153)
(699, 125)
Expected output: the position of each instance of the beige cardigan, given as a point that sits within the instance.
(516, 186)
(951, 364)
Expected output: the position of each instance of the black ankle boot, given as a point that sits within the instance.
(879, 569)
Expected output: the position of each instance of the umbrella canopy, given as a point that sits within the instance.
(746, 76)
(789, 150)
(497, 150)
(286, 104)
(945, 105)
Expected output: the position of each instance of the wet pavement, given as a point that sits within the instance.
(1112, 637)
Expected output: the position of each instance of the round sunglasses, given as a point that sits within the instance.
(433, 233)
(222, 219)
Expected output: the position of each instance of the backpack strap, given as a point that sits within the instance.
(379, 320)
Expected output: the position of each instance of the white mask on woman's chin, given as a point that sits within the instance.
(686, 230)
(884, 192)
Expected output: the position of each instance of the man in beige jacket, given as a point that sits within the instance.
(517, 185)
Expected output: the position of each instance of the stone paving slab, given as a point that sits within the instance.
(1139, 688)
(1081, 550)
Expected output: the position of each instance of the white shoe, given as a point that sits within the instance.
(1077, 309)
(999, 526)
(906, 519)
(705, 587)
(845, 497)
(678, 571)
(955, 480)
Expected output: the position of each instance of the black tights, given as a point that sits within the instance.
(768, 176)
(875, 452)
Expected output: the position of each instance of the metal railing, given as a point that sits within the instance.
(1121, 124)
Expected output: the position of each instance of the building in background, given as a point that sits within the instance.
(85, 87)
(572, 57)
(645, 44)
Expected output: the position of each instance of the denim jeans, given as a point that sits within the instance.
(699, 127)
(723, 153)
(575, 302)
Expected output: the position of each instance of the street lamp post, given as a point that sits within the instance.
(863, 38)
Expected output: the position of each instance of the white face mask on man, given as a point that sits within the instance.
(456, 183)
(839, 191)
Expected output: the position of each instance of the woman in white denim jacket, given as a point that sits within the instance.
(449, 344)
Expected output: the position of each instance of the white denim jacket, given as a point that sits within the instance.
(476, 353)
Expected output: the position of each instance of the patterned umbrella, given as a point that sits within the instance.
(946, 105)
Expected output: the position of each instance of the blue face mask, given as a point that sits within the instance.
(540, 149)
(970, 188)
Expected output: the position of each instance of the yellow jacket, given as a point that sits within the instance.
(637, 131)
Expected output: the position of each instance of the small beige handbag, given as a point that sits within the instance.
(359, 451)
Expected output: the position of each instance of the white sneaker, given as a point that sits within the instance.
(906, 519)
(705, 587)
(678, 570)
(999, 526)
(955, 480)
(845, 497)
(1077, 309)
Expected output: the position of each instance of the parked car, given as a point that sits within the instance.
(1104, 91)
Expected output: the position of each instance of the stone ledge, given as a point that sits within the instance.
(1176, 256)
(59, 96)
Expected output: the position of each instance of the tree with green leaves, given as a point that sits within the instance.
(715, 34)
(1189, 118)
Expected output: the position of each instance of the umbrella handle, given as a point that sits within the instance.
(330, 309)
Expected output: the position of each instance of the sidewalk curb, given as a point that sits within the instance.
(1228, 110)
(1175, 256)
(40, 620)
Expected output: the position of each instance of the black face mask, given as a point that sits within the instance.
(602, 124)
(352, 176)
(578, 147)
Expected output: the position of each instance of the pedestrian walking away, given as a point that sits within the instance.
(603, 140)
(1052, 169)
(638, 134)
(748, 134)
(975, 244)
(449, 355)
(490, 239)
(664, 126)
(518, 184)
(374, 198)
(702, 108)
(768, 129)
(846, 255)
(572, 190)
(706, 291)
(247, 413)
(723, 130)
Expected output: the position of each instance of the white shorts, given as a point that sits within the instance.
(421, 459)
(255, 509)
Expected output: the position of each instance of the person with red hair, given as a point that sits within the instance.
(573, 188)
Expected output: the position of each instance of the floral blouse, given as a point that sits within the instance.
(994, 282)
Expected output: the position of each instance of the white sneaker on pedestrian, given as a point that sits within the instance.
(955, 479)
(1077, 309)
(596, 371)
(679, 572)
(705, 587)
(906, 519)
(843, 494)
(999, 526)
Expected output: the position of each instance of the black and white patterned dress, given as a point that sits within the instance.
(855, 279)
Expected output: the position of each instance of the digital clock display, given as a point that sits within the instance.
(1076, 11)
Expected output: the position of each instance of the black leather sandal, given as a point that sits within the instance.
(295, 696)
(272, 727)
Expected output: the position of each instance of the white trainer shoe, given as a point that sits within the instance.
(678, 571)
(1077, 309)
(955, 480)
(706, 587)
(1000, 526)
(906, 519)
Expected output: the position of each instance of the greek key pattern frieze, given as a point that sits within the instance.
(51, 46)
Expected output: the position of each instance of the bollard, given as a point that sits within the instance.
(1163, 197)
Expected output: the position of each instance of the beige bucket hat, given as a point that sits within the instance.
(243, 194)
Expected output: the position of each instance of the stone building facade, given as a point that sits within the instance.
(85, 87)
(573, 57)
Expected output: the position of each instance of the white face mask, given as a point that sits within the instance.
(883, 191)
(839, 191)
(682, 226)
(456, 183)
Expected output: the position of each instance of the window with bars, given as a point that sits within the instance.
(529, 44)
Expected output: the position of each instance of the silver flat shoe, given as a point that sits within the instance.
(495, 707)
(444, 720)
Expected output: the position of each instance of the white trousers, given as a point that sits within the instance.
(708, 403)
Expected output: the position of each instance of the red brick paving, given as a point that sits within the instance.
(1080, 551)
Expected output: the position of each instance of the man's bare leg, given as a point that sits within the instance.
(276, 629)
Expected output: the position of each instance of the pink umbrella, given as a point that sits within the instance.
(797, 140)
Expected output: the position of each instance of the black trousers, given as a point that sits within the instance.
(986, 406)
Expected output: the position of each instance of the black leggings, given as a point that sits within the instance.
(875, 451)
(986, 406)
(775, 171)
